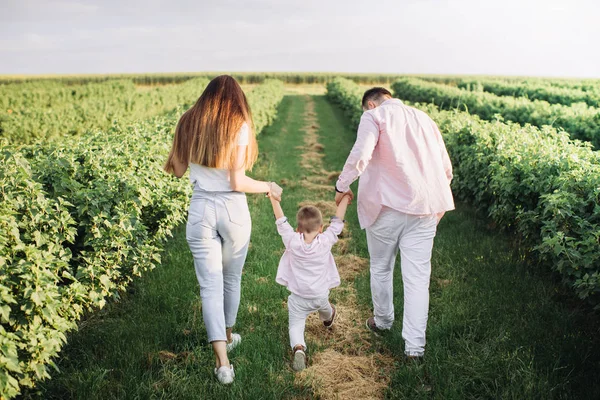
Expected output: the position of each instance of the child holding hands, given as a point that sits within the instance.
(308, 270)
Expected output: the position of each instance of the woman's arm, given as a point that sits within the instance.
(175, 167)
(284, 228)
(242, 183)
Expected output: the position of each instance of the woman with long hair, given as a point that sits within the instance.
(216, 140)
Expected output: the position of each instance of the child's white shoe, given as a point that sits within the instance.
(236, 339)
(225, 375)
(299, 362)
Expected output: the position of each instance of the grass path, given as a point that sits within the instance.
(343, 363)
(497, 328)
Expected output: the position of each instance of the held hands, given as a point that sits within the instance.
(340, 196)
(275, 191)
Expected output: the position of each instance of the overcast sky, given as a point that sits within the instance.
(501, 37)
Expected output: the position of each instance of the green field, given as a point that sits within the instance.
(92, 281)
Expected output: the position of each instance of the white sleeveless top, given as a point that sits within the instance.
(215, 179)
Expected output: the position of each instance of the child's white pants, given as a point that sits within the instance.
(299, 309)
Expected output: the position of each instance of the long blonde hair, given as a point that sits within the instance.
(207, 133)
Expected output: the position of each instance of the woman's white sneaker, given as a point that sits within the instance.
(225, 375)
(236, 339)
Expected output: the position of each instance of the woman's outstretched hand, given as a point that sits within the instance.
(275, 191)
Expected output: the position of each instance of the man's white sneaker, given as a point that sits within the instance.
(236, 339)
(225, 375)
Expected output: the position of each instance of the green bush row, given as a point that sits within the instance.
(580, 120)
(585, 84)
(79, 219)
(536, 182)
(348, 96)
(533, 91)
(263, 101)
(48, 111)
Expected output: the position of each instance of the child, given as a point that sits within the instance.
(308, 270)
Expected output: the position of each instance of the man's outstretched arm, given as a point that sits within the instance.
(360, 155)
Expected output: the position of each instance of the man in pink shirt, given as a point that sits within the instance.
(403, 192)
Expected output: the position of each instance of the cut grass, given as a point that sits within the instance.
(342, 358)
(340, 376)
(498, 328)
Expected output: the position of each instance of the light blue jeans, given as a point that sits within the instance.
(218, 233)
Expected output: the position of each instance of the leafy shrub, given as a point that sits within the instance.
(533, 90)
(347, 95)
(79, 219)
(46, 110)
(580, 120)
(264, 100)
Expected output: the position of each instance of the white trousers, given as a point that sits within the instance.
(413, 235)
(218, 233)
(299, 309)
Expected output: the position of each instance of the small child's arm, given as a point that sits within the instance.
(341, 208)
(337, 222)
(277, 210)
(284, 229)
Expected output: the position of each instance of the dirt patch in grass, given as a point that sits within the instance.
(324, 177)
(334, 375)
(348, 368)
(316, 188)
(345, 234)
(350, 265)
(443, 282)
(333, 176)
(165, 357)
(311, 160)
(342, 246)
(285, 183)
(312, 150)
(348, 335)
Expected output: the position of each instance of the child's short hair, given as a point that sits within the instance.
(309, 219)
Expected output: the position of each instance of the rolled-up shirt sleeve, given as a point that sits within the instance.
(362, 151)
(285, 230)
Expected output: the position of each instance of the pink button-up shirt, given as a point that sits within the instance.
(308, 270)
(403, 163)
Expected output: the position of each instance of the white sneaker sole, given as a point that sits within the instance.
(299, 361)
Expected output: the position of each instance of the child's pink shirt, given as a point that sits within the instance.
(308, 270)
